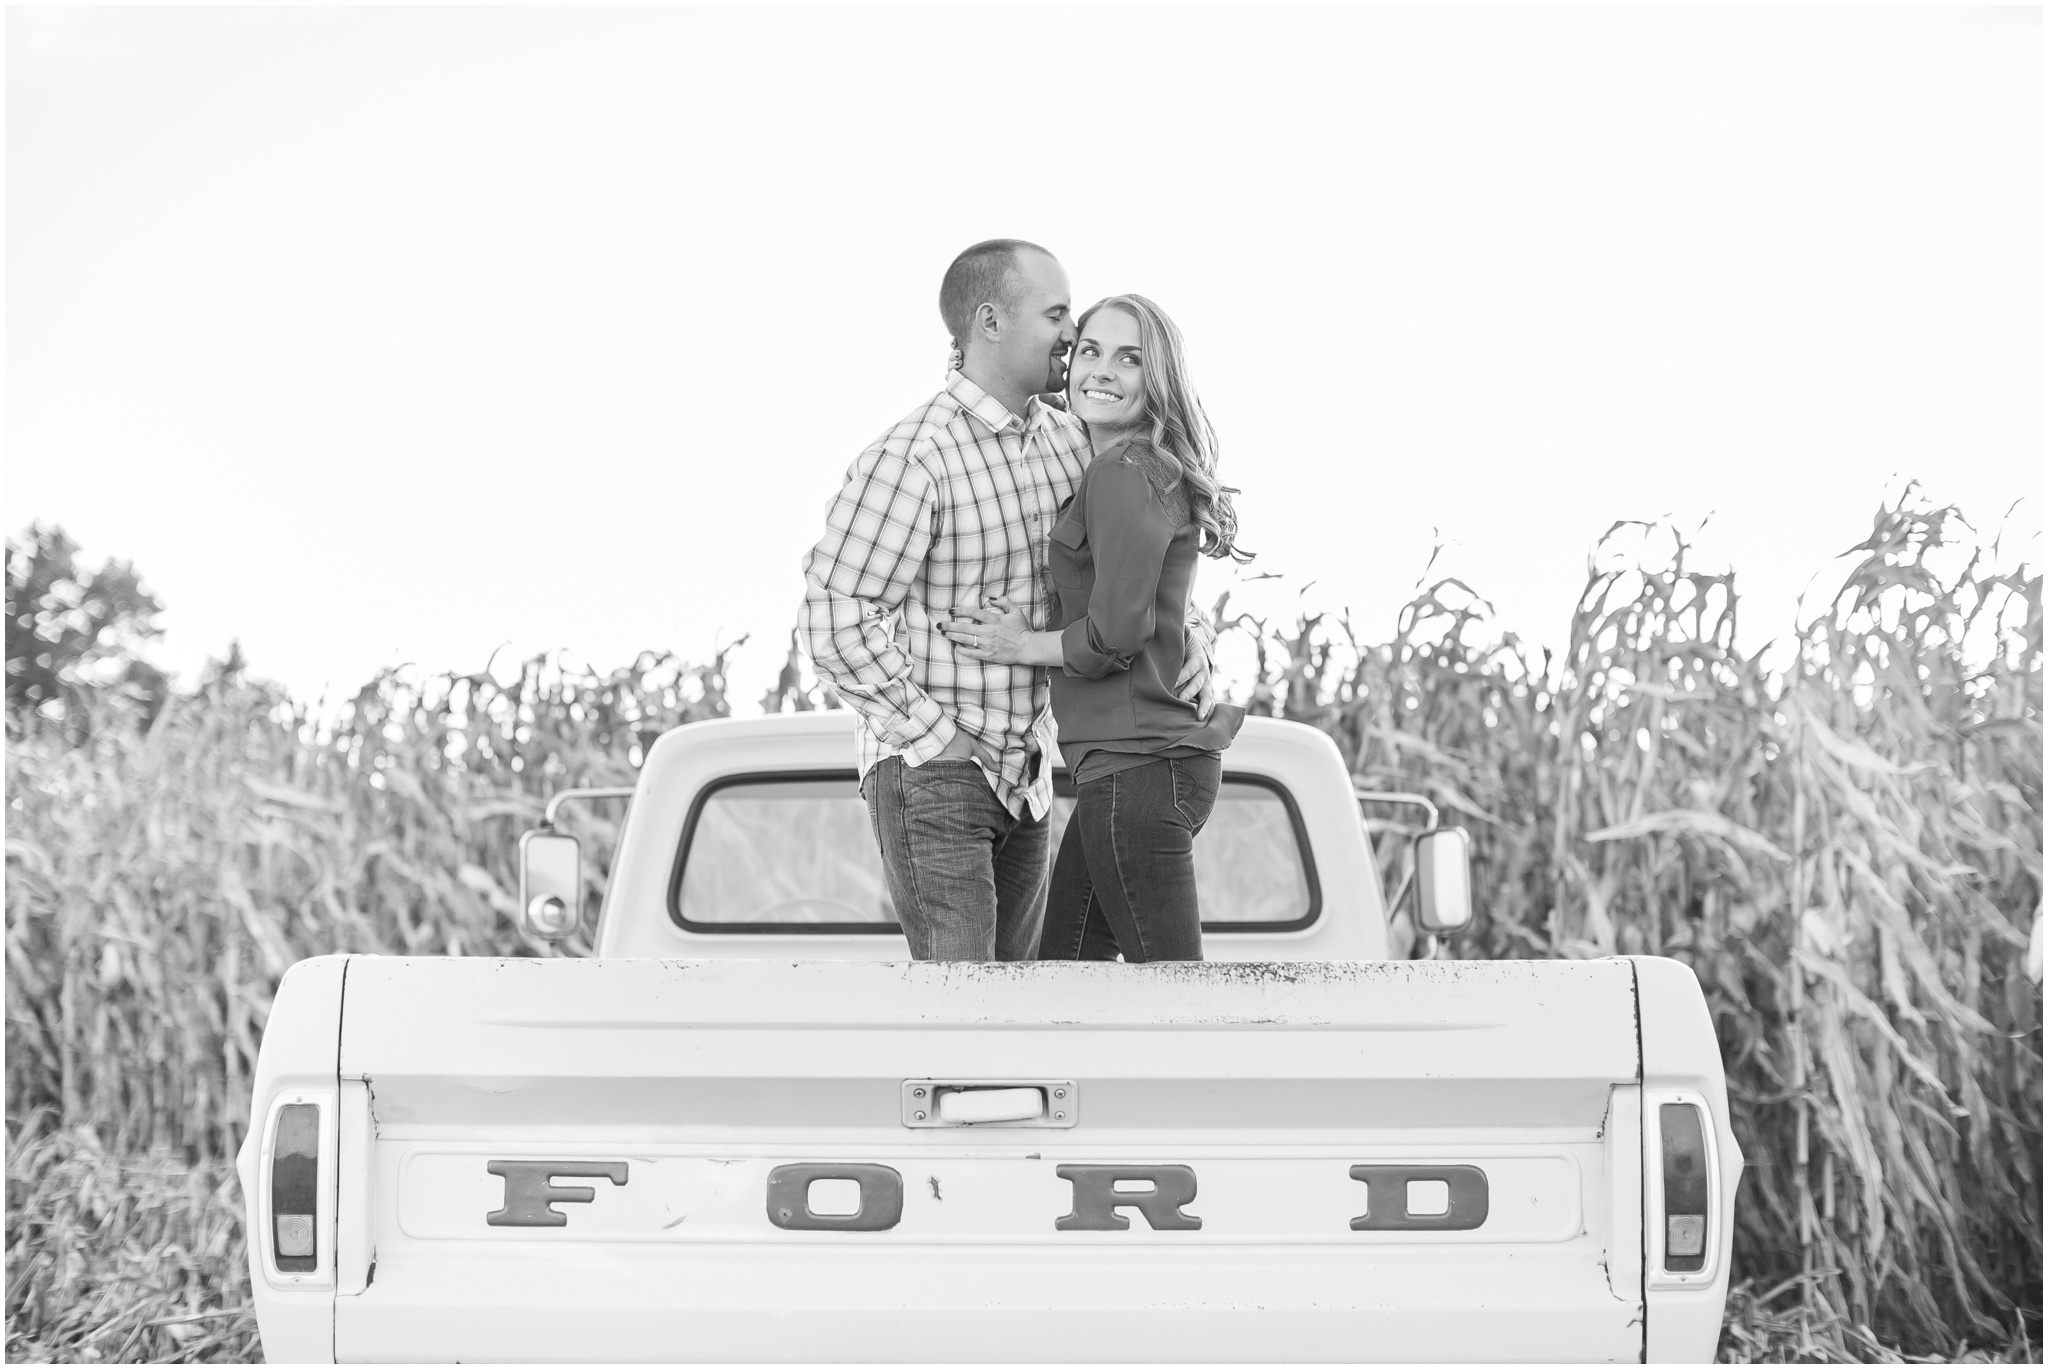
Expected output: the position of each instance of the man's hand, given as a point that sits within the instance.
(966, 748)
(1197, 681)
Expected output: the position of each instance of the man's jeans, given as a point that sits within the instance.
(968, 880)
(1125, 878)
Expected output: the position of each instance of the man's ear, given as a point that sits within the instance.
(988, 321)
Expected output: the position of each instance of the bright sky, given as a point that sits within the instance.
(384, 335)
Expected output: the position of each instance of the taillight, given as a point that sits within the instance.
(292, 1212)
(295, 1188)
(1684, 1189)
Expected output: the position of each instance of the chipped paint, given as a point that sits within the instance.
(668, 995)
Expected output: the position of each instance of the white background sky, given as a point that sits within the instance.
(378, 335)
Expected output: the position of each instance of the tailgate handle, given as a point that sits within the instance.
(990, 1103)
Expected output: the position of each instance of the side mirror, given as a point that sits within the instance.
(1443, 880)
(550, 885)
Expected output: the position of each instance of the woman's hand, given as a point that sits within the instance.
(999, 634)
(1197, 682)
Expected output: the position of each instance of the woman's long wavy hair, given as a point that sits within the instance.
(1180, 429)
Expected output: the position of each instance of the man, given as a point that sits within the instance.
(948, 510)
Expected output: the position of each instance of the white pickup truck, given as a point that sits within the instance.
(748, 1128)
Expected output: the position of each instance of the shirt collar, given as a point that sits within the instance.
(994, 414)
(1047, 415)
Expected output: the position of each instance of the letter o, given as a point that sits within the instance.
(789, 1197)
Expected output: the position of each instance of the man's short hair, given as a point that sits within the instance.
(984, 273)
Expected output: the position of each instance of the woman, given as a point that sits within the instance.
(1122, 558)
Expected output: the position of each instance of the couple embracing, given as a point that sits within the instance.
(1021, 550)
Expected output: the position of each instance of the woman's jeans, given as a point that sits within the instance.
(1125, 876)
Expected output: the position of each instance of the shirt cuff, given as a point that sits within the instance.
(1081, 657)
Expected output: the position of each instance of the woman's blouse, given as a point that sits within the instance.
(1122, 560)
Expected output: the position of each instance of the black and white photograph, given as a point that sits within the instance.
(1037, 684)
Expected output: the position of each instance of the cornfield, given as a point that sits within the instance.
(1845, 846)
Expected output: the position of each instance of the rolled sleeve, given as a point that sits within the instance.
(1128, 531)
(877, 533)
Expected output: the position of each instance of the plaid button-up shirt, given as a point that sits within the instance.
(948, 508)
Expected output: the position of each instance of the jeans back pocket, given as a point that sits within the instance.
(1195, 781)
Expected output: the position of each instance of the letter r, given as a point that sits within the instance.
(1096, 1198)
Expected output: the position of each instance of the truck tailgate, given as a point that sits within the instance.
(664, 1160)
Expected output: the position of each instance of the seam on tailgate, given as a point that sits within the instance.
(340, 1016)
(1642, 1142)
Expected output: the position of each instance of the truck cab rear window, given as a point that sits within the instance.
(796, 853)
